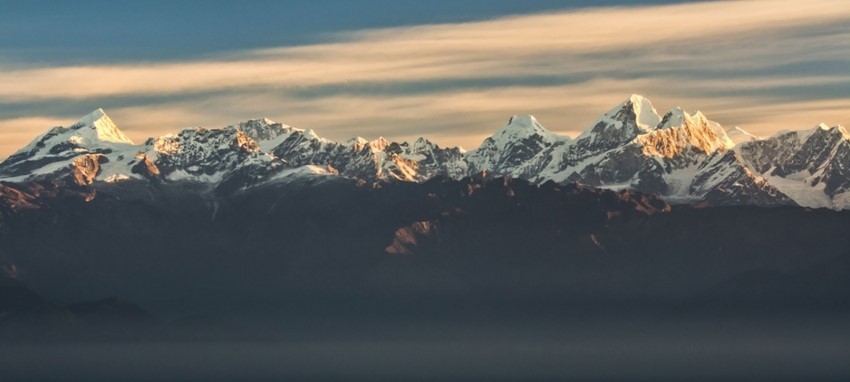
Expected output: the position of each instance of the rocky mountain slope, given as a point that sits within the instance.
(682, 157)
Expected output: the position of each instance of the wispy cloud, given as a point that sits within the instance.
(765, 65)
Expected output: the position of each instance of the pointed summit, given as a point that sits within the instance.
(356, 143)
(834, 130)
(678, 118)
(521, 127)
(90, 118)
(674, 118)
(516, 142)
(525, 122)
(820, 130)
(91, 132)
(89, 138)
(379, 144)
(267, 133)
(522, 120)
(679, 130)
(645, 114)
(632, 117)
(421, 144)
(104, 129)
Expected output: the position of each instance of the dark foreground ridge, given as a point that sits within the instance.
(339, 279)
(301, 249)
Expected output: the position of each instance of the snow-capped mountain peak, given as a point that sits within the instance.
(379, 144)
(520, 127)
(635, 113)
(680, 132)
(696, 123)
(356, 143)
(104, 129)
(645, 114)
(634, 116)
(421, 144)
(837, 130)
(819, 129)
(525, 122)
(676, 117)
(618, 126)
(83, 145)
(518, 141)
(262, 129)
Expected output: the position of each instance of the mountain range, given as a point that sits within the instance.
(262, 232)
(684, 158)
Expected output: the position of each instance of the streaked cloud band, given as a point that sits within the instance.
(766, 65)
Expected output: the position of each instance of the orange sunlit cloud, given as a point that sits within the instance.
(460, 81)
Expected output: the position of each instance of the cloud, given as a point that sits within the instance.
(765, 65)
(16, 132)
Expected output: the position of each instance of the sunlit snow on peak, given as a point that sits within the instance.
(105, 129)
(645, 114)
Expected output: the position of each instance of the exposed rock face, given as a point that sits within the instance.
(407, 238)
(145, 167)
(681, 137)
(86, 167)
(14, 199)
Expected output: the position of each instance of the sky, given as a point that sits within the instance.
(453, 71)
